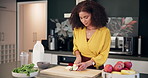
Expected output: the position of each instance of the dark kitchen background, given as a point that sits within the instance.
(114, 8)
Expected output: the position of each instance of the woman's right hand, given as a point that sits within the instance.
(77, 60)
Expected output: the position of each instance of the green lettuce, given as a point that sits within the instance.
(27, 69)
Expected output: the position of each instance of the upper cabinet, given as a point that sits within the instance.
(57, 8)
(121, 7)
(143, 17)
(29, 0)
(8, 5)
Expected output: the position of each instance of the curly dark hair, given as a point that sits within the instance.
(98, 15)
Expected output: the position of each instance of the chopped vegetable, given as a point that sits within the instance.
(75, 67)
(71, 68)
(27, 69)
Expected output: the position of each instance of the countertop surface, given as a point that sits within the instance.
(69, 53)
(5, 71)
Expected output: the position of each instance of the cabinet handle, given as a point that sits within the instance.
(2, 36)
(105, 75)
(136, 76)
(3, 7)
(33, 36)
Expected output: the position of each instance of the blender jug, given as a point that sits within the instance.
(24, 58)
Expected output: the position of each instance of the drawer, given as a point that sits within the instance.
(66, 59)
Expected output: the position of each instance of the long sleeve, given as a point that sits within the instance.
(103, 54)
(74, 42)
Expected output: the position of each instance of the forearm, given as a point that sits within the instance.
(78, 57)
(77, 54)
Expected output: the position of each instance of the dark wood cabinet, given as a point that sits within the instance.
(121, 8)
(143, 26)
(29, 0)
(57, 8)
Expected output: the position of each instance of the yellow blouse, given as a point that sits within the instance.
(96, 48)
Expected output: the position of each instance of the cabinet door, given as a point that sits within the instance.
(140, 66)
(54, 59)
(8, 27)
(47, 57)
(57, 8)
(8, 5)
(51, 58)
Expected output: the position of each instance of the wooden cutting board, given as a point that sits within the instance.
(61, 71)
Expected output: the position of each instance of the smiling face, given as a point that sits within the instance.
(85, 18)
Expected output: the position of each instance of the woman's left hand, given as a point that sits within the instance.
(83, 65)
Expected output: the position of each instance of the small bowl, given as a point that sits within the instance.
(33, 74)
(43, 65)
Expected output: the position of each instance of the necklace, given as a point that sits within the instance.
(88, 33)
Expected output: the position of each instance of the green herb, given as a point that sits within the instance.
(27, 69)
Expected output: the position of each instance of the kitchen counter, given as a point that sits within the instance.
(5, 71)
(69, 53)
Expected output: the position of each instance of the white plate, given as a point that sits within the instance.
(33, 74)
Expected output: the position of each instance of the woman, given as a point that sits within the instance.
(91, 37)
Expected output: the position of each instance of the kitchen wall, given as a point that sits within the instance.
(114, 8)
(131, 8)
